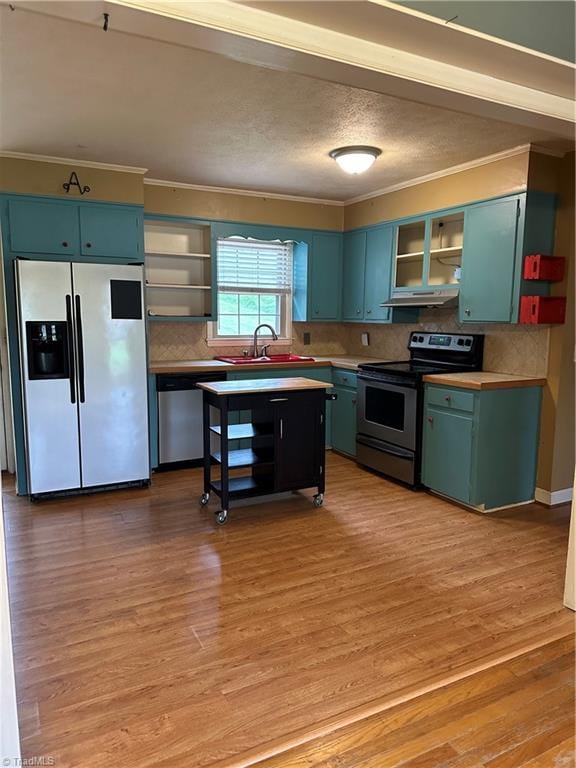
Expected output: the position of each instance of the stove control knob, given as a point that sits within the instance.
(460, 342)
(468, 342)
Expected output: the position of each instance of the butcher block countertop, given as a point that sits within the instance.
(212, 366)
(257, 386)
(481, 380)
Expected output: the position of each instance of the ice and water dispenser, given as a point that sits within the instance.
(47, 344)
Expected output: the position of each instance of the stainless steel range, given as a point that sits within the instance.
(390, 400)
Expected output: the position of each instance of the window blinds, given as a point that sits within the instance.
(254, 265)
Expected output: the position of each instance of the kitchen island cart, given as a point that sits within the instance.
(286, 435)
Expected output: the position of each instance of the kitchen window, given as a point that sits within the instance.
(254, 279)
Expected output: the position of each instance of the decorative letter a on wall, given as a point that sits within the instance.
(73, 181)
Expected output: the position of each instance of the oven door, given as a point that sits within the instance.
(387, 412)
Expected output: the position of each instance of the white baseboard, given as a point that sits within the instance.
(553, 497)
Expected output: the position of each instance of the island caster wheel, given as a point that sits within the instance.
(204, 499)
(222, 517)
(318, 500)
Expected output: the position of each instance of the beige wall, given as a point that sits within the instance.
(501, 177)
(32, 177)
(232, 207)
(556, 464)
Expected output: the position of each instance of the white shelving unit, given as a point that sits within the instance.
(178, 270)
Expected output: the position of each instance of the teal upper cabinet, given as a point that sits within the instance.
(318, 278)
(115, 232)
(489, 261)
(326, 274)
(353, 275)
(75, 229)
(366, 278)
(43, 226)
(377, 274)
(497, 236)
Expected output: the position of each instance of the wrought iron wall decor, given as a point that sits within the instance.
(73, 181)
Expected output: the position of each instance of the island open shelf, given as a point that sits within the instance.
(287, 430)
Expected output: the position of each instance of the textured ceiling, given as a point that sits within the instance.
(72, 90)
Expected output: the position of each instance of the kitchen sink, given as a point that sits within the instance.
(266, 359)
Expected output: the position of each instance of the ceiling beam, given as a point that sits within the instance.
(256, 36)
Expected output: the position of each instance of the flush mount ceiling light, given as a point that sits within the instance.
(355, 159)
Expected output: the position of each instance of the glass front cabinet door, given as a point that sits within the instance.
(428, 252)
(409, 255)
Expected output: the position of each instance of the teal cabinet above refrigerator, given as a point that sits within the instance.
(43, 226)
(78, 229)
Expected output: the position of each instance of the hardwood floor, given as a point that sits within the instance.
(146, 636)
(518, 713)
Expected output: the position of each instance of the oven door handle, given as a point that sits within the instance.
(384, 447)
(398, 385)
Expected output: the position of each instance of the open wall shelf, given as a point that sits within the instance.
(179, 270)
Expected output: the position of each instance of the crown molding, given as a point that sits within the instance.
(441, 174)
(546, 151)
(243, 192)
(72, 161)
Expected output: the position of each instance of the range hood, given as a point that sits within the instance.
(443, 297)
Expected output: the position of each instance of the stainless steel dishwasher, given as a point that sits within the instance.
(180, 416)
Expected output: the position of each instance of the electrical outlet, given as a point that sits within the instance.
(306, 338)
(365, 339)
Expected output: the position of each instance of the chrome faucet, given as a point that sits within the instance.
(255, 345)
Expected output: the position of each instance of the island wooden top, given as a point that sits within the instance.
(211, 366)
(480, 380)
(256, 386)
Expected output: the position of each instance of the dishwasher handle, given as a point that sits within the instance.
(178, 382)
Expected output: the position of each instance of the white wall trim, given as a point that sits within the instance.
(478, 162)
(520, 150)
(547, 151)
(9, 735)
(72, 161)
(551, 498)
(243, 192)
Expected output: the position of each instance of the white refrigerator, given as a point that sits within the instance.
(84, 375)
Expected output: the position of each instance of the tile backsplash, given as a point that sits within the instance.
(516, 349)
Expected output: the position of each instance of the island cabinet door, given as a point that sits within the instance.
(299, 444)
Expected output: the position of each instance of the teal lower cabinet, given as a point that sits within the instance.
(480, 447)
(344, 411)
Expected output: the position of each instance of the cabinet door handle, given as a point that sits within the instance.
(431, 420)
(448, 398)
(353, 402)
(277, 399)
(357, 311)
(467, 312)
(88, 245)
(369, 311)
(65, 243)
(281, 429)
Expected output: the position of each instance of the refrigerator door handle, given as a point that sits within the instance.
(80, 343)
(71, 366)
